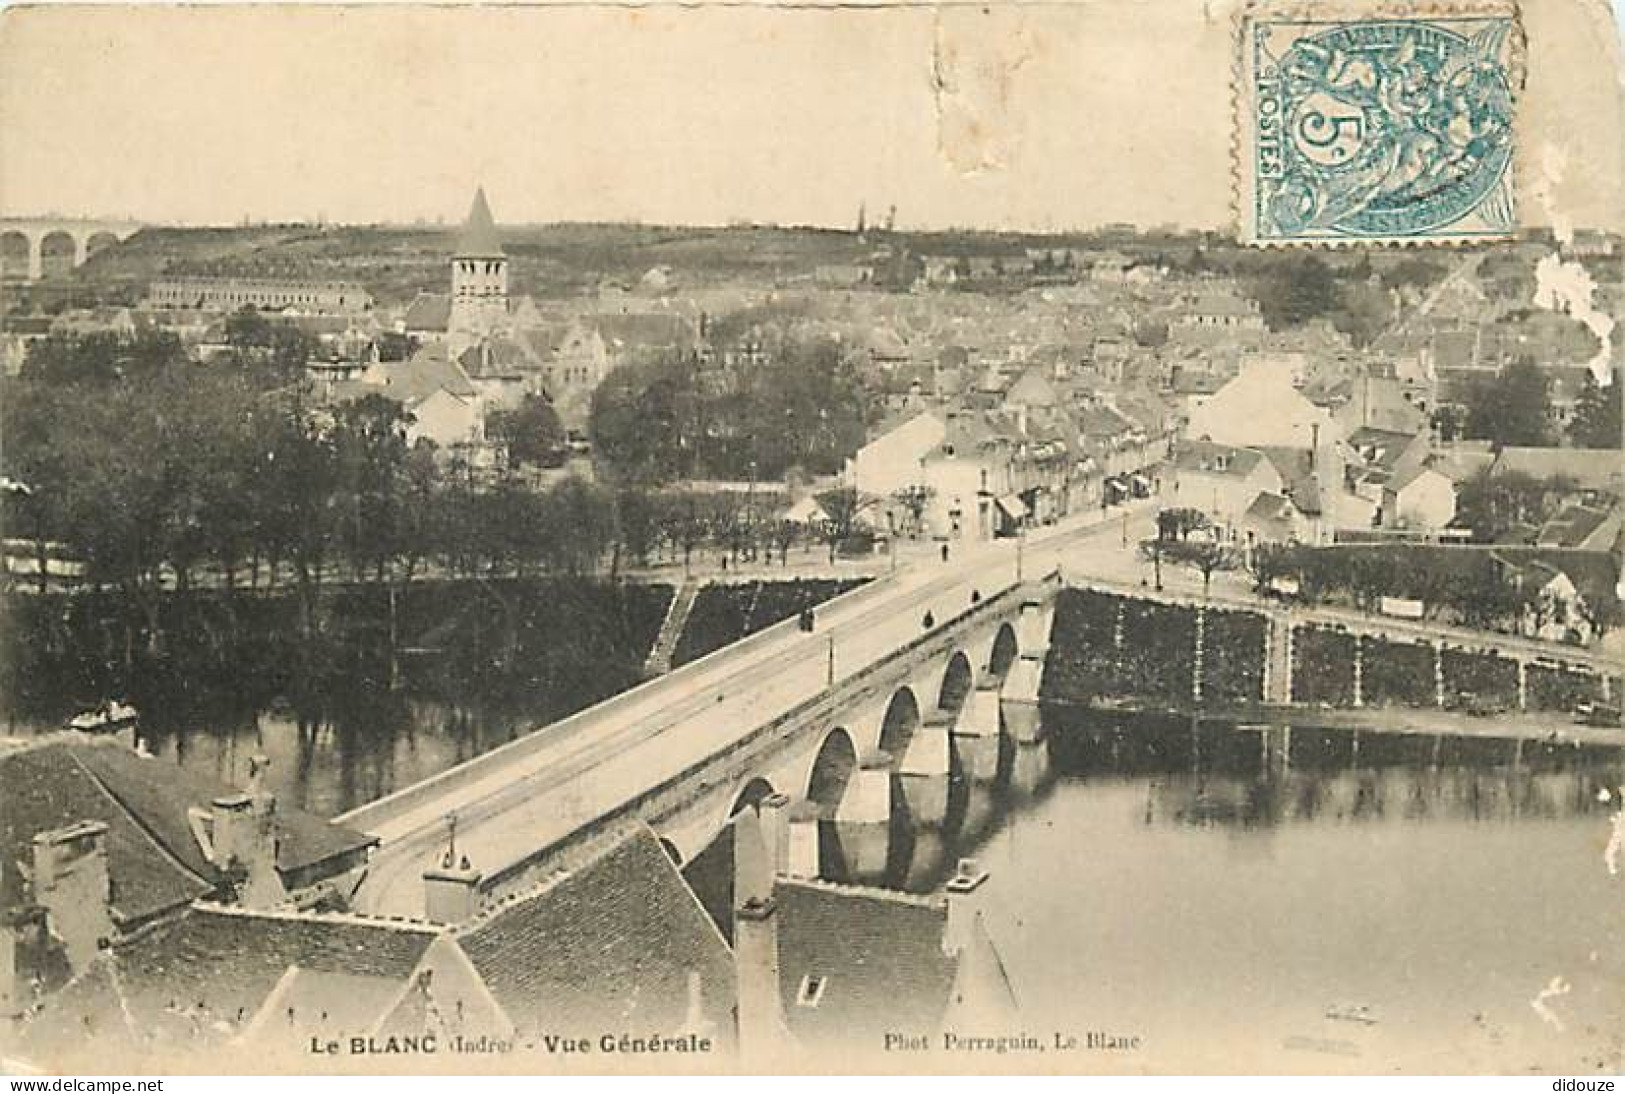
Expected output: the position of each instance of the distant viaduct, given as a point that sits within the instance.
(34, 248)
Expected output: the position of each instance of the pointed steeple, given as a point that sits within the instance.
(478, 238)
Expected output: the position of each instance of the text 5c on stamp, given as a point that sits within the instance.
(1376, 128)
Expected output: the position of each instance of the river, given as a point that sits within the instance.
(1372, 904)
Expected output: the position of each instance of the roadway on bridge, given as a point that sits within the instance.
(572, 773)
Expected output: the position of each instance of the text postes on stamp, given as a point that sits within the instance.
(1380, 128)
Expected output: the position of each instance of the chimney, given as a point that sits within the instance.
(243, 845)
(451, 891)
(22, 945)
(762, 1032)
(71, 884)
(964, 905)
(774, 811)
(1314, 443)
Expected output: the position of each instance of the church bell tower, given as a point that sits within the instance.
(479, 279)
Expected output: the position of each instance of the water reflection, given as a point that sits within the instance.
(1211, 886)
(343, 717)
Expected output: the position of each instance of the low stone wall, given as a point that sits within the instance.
(1108, 645)
(725, 613)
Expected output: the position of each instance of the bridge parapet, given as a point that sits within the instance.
(378, 816)
(754, 751)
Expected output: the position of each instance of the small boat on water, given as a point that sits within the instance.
(112, 715)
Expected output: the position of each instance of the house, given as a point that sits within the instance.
(442, 398)
(827, 968)
(1420, 497)
(1554, 606)
(1378, 402)
(971, 480)
(1583, 527)
(224, 980)
(1585, 471)
(1261, 406)
(1218, 313)
(893, 459)
(1272, 518)
(1220, 481)
(103, 844)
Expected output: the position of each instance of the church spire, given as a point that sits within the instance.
(478, 238)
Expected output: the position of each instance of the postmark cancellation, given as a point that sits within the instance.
(1376, 125)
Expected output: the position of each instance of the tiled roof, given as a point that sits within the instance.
(226, 962)
(48, 787)
(879, 953)
(1206, 456)
(427, 371)
(1296, 466)
(153, 858)
(429, 311)
(612, 942)
(84, 1023)
(1572, 527)
(648, 330)
(200, 979)
(158, 793)
(1588, 468)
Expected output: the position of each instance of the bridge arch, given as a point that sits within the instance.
(100, 241)
(957, 680)
(832, 769)
(750, 795)
(1005, 649)
(15, 248)
(59, 253)
(897, 726)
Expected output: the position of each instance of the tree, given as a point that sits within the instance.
(532, 433)
(913, 501)
(1492, 505)
(1294, 289)
(1597, 414)
(1268, 561)
(637, 521)
(842, 506)
(1180, 523)
(1205, 556)
(1513, 408)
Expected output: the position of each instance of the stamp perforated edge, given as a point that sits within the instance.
(1241, 160)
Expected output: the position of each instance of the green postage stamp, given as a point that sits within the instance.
(1381, 127)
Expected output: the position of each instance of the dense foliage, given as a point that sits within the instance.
(779, 404)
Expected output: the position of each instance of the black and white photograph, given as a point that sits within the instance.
(1075, 538)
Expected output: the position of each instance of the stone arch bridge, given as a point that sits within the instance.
(34, 248)
(932, 677)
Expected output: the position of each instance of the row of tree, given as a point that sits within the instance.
(154, 472)
(1470, 587)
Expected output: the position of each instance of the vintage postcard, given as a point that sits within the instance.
(1068, 538)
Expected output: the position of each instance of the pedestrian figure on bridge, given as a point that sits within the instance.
(945, 552)
(976, 596)
(929, 621)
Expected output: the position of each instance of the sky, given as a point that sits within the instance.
(1042, 116)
